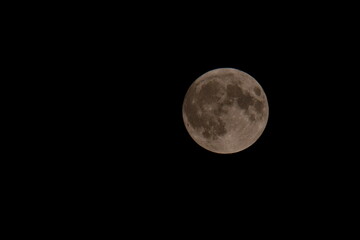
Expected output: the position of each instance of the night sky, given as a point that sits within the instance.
(103, 128)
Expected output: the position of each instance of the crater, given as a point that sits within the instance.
(257, 91)
(213, 128)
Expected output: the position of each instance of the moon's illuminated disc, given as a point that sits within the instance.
(225, 110)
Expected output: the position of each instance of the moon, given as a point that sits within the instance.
(225, 110)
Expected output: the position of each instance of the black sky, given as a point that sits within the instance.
(105, 122)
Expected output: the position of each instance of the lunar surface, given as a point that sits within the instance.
(225, 110)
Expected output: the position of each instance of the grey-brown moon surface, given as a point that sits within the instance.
(225, 110)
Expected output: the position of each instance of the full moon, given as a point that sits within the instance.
(225, 110)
